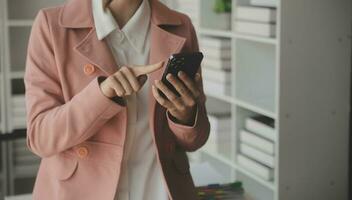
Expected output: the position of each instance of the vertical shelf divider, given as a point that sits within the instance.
(235, 139)
(7, 92)
(277, 99)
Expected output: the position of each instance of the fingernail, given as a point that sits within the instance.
(168, 76)
(197, 75)
(180, 73)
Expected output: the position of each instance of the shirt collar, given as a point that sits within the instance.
(135, 29)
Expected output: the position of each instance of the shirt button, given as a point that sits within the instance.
(82, 152)
(119, 36)
(89, 69)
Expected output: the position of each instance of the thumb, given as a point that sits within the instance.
(146, 69)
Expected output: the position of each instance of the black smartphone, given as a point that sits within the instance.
(189, 63)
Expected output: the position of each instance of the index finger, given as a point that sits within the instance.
(140, 70)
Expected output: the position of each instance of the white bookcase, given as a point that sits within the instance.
(16, 20)
(301, 80)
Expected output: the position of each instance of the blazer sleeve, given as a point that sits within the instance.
(54, 125)
(192, 137)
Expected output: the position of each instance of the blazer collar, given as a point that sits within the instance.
(78, 14)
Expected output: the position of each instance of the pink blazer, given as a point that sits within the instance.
(77, 131)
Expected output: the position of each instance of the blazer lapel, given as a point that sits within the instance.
(98, 52)
(163, 45)
(77, 14)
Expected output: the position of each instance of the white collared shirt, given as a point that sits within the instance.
(141, 176)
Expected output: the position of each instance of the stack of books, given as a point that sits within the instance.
(220, 133)
(190, 8)
(19, 111)
(257, 146)
(225, 191)
(219, 115)
(216, 65)
(255, 20)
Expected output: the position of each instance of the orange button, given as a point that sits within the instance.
(89, 69)
(82, 152)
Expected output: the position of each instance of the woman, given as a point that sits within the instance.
(101, 133)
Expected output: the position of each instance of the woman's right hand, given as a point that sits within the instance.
(127, 80)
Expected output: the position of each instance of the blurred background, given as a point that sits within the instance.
(277, 75)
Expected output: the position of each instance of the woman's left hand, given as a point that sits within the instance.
(182, 108)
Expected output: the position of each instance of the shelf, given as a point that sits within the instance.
(28, 171)
(19, 23)
(1, 126)
(25, 160)
(17, 75)
(24, 9)
(230, 34)
(273, 41)
(267, 184)
(18, 41)
(217, 33)
(224, 98)
(256, 109)
(220, 158)
(20, 197)
(19, 123)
